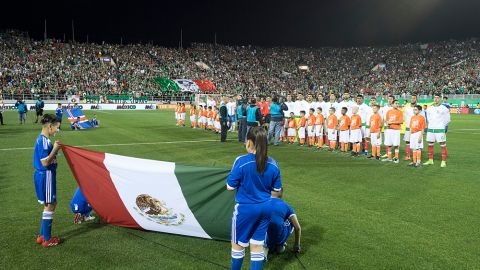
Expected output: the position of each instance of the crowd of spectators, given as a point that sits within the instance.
(58, 68)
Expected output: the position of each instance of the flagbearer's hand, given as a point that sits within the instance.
(56, 146)
(297, 248)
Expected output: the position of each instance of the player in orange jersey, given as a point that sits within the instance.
(332, 124)
(183, 111)
(319, 121)
(209, 118)
(417, 126)
(394, 121)
(302, 122)
(355, 131)
(376, 124)
(177, 113)
(291, 132)
(311, 127)
(193, 116)
(344, 130)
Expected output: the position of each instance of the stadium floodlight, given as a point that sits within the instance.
(303, 67)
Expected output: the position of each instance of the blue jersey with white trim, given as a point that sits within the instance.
(279, 228)
(59, 113)
(43, 148)
(251, 186)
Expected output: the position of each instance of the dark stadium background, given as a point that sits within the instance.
(265, 23)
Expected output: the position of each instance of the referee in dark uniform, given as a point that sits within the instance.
(223, 120)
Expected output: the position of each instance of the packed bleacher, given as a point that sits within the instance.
(57, 68)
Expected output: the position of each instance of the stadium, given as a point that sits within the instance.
(240, 136)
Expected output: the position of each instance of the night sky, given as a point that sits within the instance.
(265, 23)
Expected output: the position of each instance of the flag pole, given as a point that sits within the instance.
(45, 31)
(73, 32)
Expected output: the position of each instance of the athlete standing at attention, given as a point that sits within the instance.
(45, 164)
(254, 176)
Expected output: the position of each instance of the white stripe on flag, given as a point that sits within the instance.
(133, 177)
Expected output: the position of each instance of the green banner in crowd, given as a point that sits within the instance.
(167, 85)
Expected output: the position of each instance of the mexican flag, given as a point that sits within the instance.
(154, 195)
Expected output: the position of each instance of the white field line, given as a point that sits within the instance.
(118, 144)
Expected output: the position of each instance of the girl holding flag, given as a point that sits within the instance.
(254, 176)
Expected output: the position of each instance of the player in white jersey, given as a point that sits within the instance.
(407, 115)
(347, 103)
(332, 103)
(438, 117)
(365, 112)
(231, 109)
(311, 103)
(301, 105)
(383, 112)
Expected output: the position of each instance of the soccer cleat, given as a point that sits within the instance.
(396, 161)
(52, 242)
(88, 218)
(39, 239)
(429, 162)
(377, 158)
(77, 218)
(411, 164)
(387, 159)
(443, 164)
(369, 156)
(407, 158)
(384, 156)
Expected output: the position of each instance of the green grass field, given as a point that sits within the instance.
(355, 213)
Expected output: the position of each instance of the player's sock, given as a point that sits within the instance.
(396, 152)
(374, 151)
(41, 227)
(47, 219)
(378, 150)
(320, 142)
(256, 260)
(237, 259)
(444, 152)
(407, 150)
(389, 152)
(430, 151)
(365, 146)
(414, 156)
(419, 155)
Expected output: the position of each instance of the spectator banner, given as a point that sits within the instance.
(187, 85)
(206, 86)
(167, 85)
(154, 195)
(73, 114)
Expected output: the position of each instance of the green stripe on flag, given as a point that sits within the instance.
(204, 189)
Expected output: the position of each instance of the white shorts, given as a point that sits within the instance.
(311, 131)
(392, 137)
(177, 116)
(436, 137)
(355, 135)
(406, 136)
(193, 118)
(332, 134)
(365, 132)
(202, 120)
(374, 140)
(216, 124)
(344, 136)
(209, 122)
(301, 132)
(182, 116)
(318, 131)
(414, 144)
(291, 132)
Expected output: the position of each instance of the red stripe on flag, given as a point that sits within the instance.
(94, 180)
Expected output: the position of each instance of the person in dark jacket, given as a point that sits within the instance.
(223, 120)
(242, 119)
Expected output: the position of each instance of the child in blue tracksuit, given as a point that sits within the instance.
(44, 178)
(254, 176)
(80, 207)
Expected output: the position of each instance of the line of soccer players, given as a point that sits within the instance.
(354, 125)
